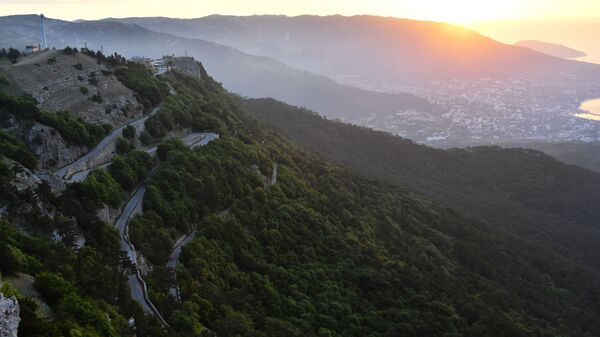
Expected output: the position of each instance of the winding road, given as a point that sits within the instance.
(139, 290)
(79, 170)
(274, 175)
(193, 140)
(174, 257)
(184, 240)
(81, 164)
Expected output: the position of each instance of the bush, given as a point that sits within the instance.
(15, 149)
(93, 78)
(78, 66)
(96, 98)
(74, 131)
(129, 171)
(137, 78)
(99, 187)
(122, 146)
(53, 287)
(13, 55)
(70, 51)
(84, 90)
(129, 132)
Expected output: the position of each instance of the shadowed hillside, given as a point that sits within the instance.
(531, 194)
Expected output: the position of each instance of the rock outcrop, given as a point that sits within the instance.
(49, 146)
(186, 65)
(24, 178)
(45, 142)
(9, 316)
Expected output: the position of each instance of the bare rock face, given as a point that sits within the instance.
(77, 84)
(49, 146)
(24, 178)
(9, 316)
(186, 65)
(108, 214)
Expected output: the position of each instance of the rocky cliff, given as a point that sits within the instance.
(48, 145)
(9, 316)
(45, 142)
(187, 65)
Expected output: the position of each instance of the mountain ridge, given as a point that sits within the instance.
(552, 49)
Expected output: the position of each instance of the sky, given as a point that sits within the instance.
(454, 11)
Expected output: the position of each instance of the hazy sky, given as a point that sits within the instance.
(457, 11)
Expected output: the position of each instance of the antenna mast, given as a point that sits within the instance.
(44, 43)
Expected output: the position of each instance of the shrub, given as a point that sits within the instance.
(70, 51)
(53, 287)
(15, 149)
(129, 132)
(13, 55)
(137, 78)
(96, 98)
(122, 146)
(73, 131)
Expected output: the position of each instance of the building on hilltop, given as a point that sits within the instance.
(30, 49)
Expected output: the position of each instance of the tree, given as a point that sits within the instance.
(129, 132)
(13, 55)
(122, 146)
(123, 173)
(53, 287)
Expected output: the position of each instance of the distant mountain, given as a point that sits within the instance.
(553, 49)
(246, 74)
(388, 50)
(491, 92)
(578, 33)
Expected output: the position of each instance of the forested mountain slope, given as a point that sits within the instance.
(318, 251)
(528, 193)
